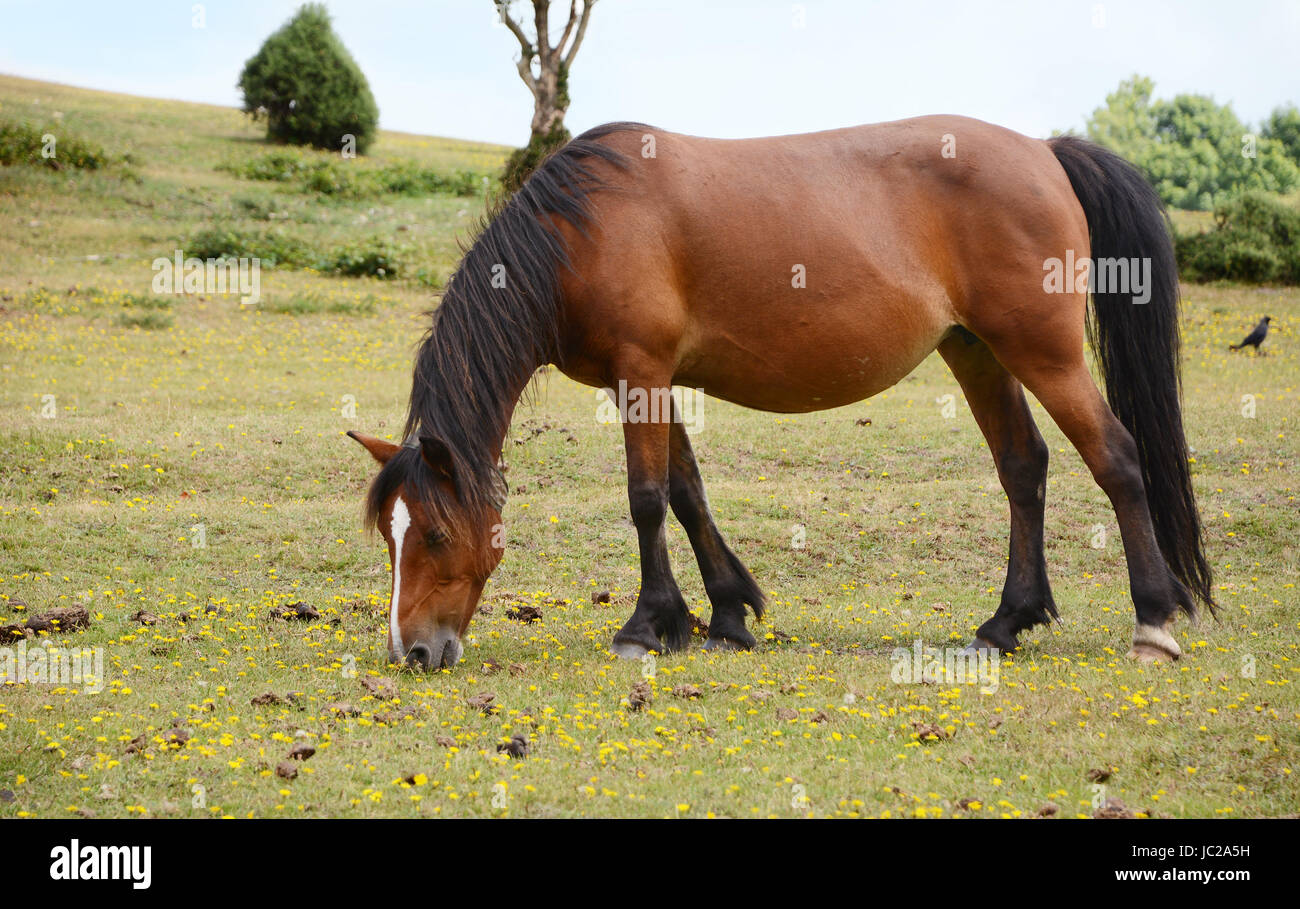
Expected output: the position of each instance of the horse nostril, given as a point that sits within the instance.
(419, 657)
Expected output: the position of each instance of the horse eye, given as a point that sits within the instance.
(435, 537)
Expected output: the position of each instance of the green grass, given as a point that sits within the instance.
(178, 189)
(329, 174)
(200, 413)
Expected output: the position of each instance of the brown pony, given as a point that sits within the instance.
(795, 274)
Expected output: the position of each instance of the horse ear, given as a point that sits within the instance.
(438, 456)
(380, 450)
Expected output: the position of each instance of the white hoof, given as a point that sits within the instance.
(628, 651)
(1153, 645)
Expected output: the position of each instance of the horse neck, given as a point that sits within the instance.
(502, 417)
(496, 412)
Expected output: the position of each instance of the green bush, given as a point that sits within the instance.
(1256, 239)
(373, 257)
(149, 321)
(313, 303)
(272, 247)
(326, 175)
(406, 178)
(256, 209)
(283, 165)
(308, 87)
(22, 143)
(335, 180)
(523, 161)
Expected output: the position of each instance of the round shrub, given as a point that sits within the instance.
(1256, 239)
(307, 86)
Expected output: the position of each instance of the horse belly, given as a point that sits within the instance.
(812, 362)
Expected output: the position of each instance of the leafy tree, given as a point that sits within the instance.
(1283, 126)
(1195, 152)
(1126, 125)
(306, 85)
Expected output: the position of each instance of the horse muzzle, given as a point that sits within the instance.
(442, 651)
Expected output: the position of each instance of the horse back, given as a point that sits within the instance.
(857, 249)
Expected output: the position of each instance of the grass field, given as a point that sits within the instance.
(179, 421)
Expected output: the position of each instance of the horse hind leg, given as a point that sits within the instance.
(1066, 389)
(728, 583)
(998, 403)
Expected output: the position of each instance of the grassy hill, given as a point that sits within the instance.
(172, 179)
(177, 465)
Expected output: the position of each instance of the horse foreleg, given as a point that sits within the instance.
(660, 610)
(727, 581)
(998, 403)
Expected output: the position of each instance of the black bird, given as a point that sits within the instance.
(1256, 336)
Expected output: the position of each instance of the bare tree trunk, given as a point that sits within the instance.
(545, 68)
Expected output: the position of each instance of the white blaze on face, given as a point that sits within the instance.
(401, 520)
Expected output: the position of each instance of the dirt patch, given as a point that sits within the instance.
(639, 696)
(930, 732)
(59, 621)
(482, 702)
(1114, 808)
(517, 746)
(296, 612)
(525, 614)
(385, 689)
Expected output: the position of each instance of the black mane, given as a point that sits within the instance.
(485, 342)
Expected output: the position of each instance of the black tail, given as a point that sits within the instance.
(1137, 348)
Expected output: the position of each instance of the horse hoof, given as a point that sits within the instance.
(1149, 653)
(723, 644)
(629, 651)
(979, 645)
(1152, 644)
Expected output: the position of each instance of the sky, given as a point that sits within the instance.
(722, 68)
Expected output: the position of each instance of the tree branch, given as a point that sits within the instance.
(541, 23)
(525, 64)
(568, 26)
(582, 31)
